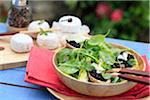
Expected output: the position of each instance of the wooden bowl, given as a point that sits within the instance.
(99, 89)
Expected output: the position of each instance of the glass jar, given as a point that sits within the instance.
(20, 14)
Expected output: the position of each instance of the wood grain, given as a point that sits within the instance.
(8, 33)
(135, 79)
(8, 58)
(135, 72)
(65, 97)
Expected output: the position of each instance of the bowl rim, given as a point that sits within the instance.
(92, 83)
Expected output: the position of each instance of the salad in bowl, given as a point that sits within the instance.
(88, 64)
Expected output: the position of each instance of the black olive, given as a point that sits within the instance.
(97, 76)
(123, 63)
(116, 65)
(126, 64)
(121, 53)
(90, 33)
(130, 56)
(92, 61)
(73, 43)
(121, 60)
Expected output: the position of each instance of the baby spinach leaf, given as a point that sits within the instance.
(92, 57)
(89, 67)
(115, 80)
(107, 57)
(42, 32)
(63, 55)
(132, 62)
(106, 76)
(97, 39)
(106, 66)
(68, 69)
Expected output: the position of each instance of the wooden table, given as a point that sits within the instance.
(12, 85)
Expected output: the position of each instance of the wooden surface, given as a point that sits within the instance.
(9, 58)
(64, 97)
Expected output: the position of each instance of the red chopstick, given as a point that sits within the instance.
(135, 79)
(8, 33)
(135, 72)
(124, 73)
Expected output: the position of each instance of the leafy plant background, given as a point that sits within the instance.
(132, 25)
(127, 20)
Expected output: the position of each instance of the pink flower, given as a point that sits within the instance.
(103, 9)
(116, 15)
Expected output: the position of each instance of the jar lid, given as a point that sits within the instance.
(19, 2)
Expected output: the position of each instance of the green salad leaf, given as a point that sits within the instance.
(98, 39)
(106, 75)
(42, 32)
(64, 55)
(68, 69)
(115, 80)
(106, 66)
(132, 62)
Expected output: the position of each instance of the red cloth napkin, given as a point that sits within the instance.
(40, 71)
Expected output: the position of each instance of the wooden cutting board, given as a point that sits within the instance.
(9, 58)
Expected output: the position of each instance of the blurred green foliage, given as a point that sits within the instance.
(3, 13)
(134, 24)
(3, 19)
